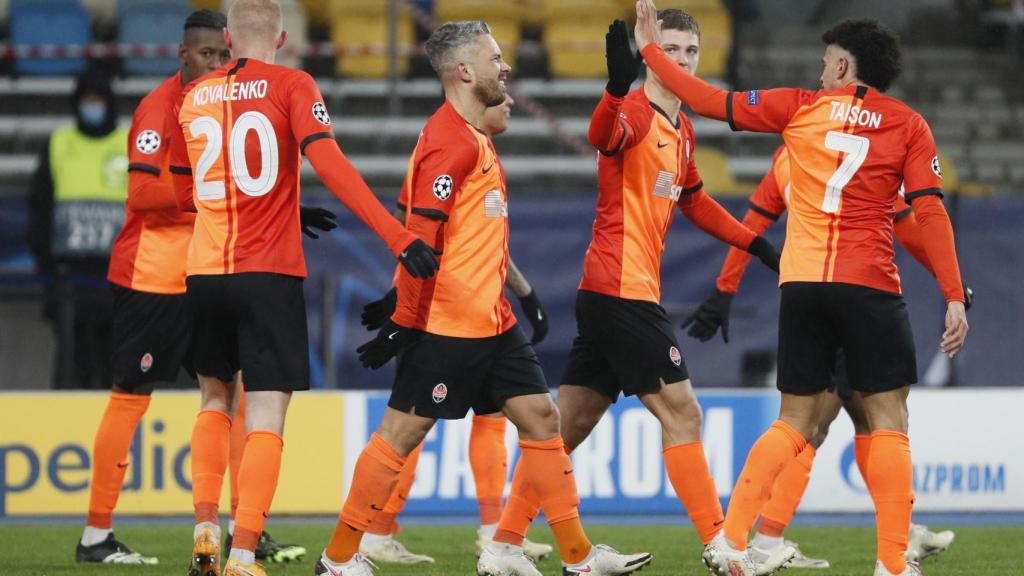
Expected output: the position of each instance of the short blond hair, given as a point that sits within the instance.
(255, 21)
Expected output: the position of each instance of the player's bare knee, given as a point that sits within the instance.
(403, 431)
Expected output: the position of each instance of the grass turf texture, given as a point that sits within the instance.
(49, 549)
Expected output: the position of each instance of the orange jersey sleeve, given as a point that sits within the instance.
(908, 233)
(767, 205)
(150, 252)
(457, 202)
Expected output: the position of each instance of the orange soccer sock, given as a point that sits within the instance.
(547, 468)
(110, 455)
(891, 482)
(211, 437)
(861, 451)
(769, 455)
(787, 494)
(257, 482)
(688, 471)
(520, 510)
(488, 458)
(383, 523)
(373, 480)
(237, 449)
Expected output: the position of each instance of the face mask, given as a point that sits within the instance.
(92, 113)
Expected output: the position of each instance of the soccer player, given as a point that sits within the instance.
(766, 206)
(850, 147)
(147, 273)
(459, 342)
(625, 342)
(244, 127)
(488, 457)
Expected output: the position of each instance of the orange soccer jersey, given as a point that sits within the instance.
(849, 150)
(639, 188)
(245, 125)
(770, 201)
(456, 194)
(149, 253)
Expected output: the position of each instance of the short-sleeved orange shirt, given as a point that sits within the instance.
(455, 177)
(849, 150)
(245, 126)
(639, 188)
(150, 252)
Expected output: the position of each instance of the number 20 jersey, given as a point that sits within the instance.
(245, 126)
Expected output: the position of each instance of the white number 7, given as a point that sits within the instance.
(856, 149)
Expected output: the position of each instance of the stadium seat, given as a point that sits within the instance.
(317, 11)
(153, 22)
(715, 39)
(503, 16)
(951, 183)
(574, 36)
(54, 22)
(214, 5)
(717, 176)
(359, 30)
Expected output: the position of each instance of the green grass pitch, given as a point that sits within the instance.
(48, 549)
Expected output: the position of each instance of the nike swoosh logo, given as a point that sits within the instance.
(375, 507)
(586, 570)
(122, 464)
(719, 523)
(567, 472)
(404, 254)
(660, 145)
(540, 315)
(488, 169)
(392, 335)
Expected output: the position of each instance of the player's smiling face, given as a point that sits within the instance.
(490, 71)
(203, 50)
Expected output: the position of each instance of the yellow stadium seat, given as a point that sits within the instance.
(503, 16)
(574, 36)
(717, 176)
(317, 11)
(715, 40)
(359, 30)
(214, 5)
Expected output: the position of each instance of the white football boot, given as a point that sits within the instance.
(912, 569)
(390, 551)
(924, 543)
(723, 560)
(358, 565)
(500, 559)
(604, 560)
(537, 551)
(769, 557)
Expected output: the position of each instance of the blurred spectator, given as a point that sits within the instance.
(76, 203)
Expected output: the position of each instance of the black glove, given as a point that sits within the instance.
(711, 314)
(623, 65)
(376, 312)
(535, 315)
(767, 253)
(313, 217)
(419, 259)
(968, 295)
(389, 342)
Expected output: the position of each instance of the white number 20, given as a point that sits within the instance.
(210, 128)
(856, 149)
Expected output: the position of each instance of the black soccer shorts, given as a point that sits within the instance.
(253, 321)
(872, 327)
(151, 337)
(443, 376)
(623, 345)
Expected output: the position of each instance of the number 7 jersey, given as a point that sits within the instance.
(245, 126)
(849, 150)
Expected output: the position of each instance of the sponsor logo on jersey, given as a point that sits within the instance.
(675, 356)
(753, 97)
(443, 186)
(147, 142)
(665, 188)
(494, 205)
(440, 393)
(146, 363)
